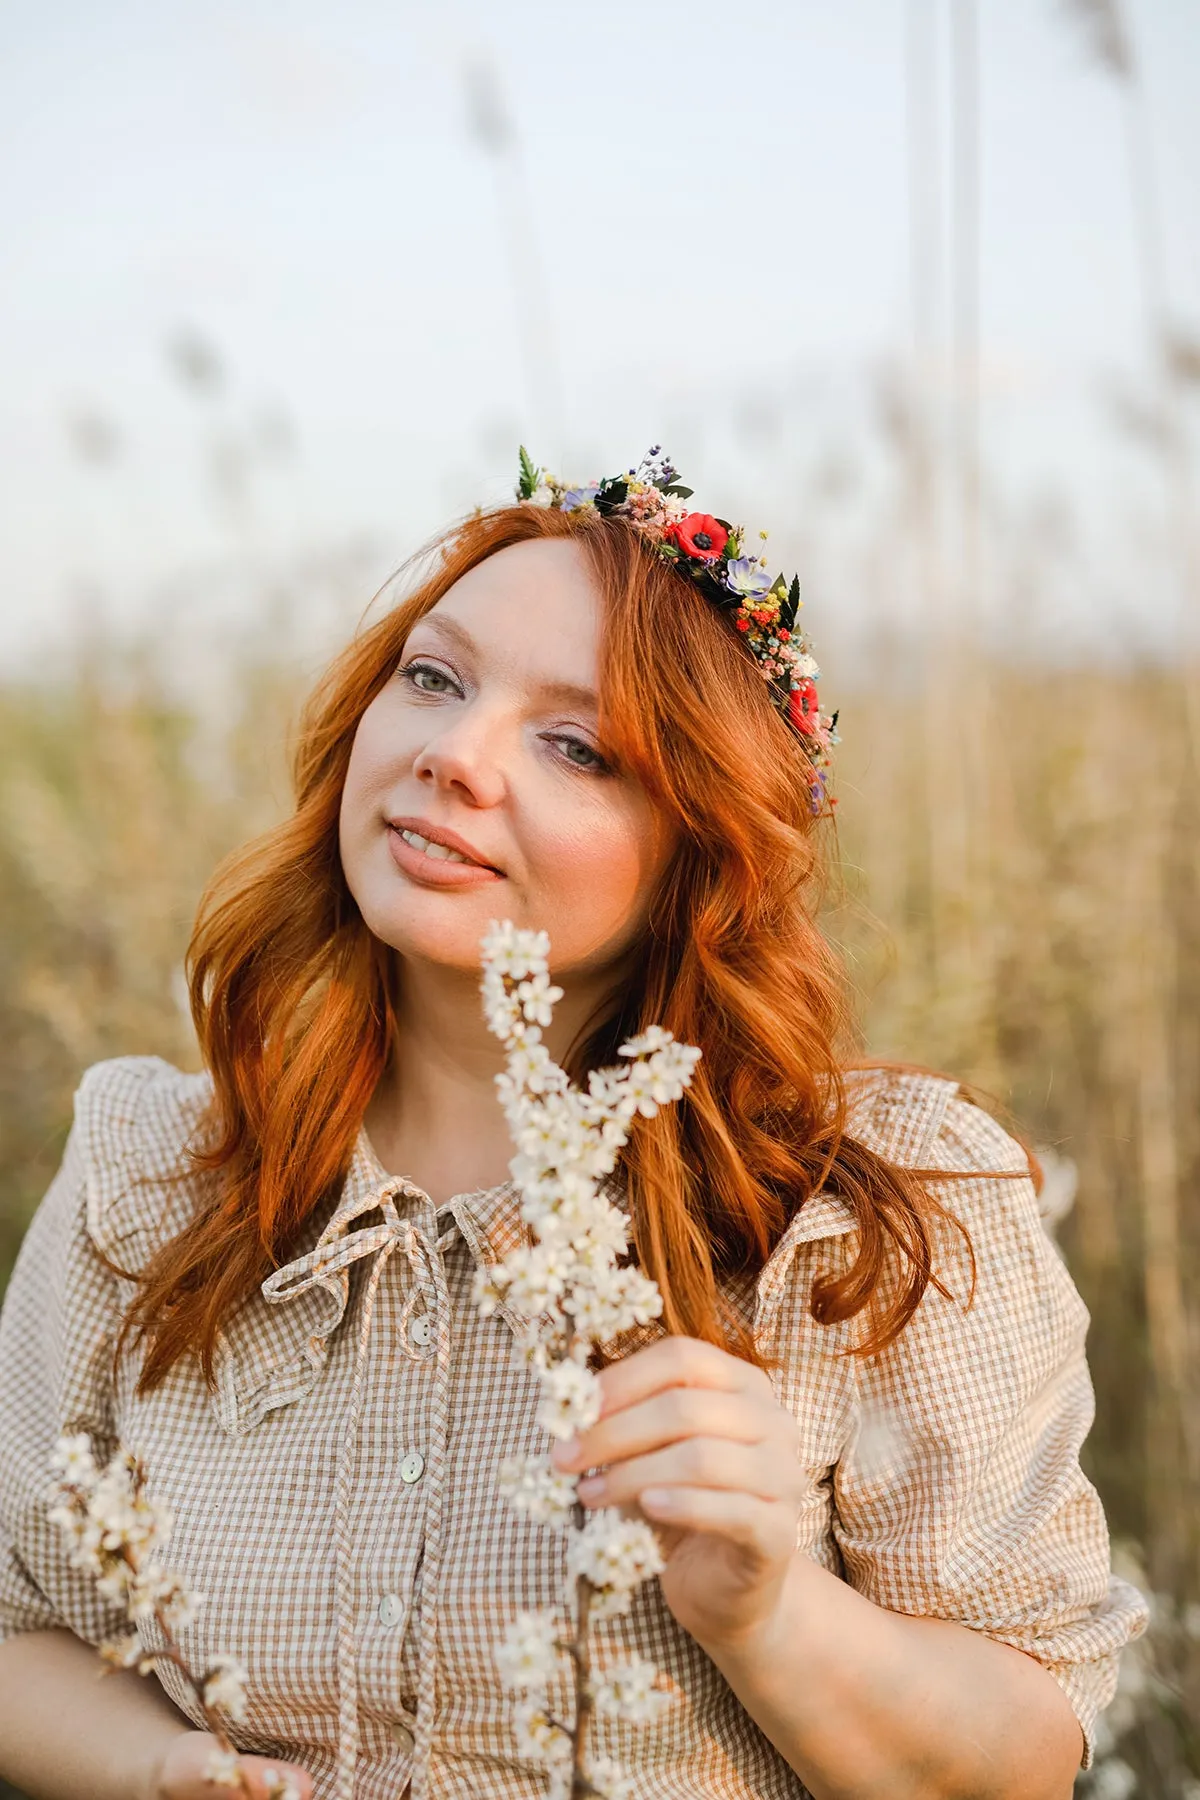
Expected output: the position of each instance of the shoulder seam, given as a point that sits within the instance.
(901, 1112)
(128, 1140)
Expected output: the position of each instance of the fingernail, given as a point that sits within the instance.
(565, 1452)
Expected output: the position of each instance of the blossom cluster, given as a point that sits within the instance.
(713, 554)
(572, 1293)
(116, 1533)
(115, 1530)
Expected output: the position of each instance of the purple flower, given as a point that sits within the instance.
(578, 497)
(743, 576)
(657, 468)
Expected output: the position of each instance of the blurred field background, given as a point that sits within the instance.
(1018, 671)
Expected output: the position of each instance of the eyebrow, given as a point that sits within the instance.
(563, 693)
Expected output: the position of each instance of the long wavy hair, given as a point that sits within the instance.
(294, 999)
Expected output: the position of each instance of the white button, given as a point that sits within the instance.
(413, 1466)
(402, 1737)
(391, 1609)
(421, 1330)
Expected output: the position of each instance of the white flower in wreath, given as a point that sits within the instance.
(745, 576)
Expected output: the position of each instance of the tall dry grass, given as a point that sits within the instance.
(115, 805)
(1021, 907)
(1023, 910)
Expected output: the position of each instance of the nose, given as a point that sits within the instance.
(466, 757)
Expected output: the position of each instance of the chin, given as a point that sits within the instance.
(434, 928)
(428, 924)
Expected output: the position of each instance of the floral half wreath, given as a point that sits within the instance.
(711, 553)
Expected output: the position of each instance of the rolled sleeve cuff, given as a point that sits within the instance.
(1084, 1657)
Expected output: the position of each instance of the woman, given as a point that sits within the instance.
(886, 1574)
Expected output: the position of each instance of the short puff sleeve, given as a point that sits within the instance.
(61, 1319)
(57, 1333)
(960, 1495)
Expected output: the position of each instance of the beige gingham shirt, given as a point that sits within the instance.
(335, 1496)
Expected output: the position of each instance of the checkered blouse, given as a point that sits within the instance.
(335, 1494)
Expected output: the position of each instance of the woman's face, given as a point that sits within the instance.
(485, 740)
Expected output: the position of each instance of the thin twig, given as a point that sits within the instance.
(581, 1662)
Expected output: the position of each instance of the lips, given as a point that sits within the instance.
(440, 834)
(429, 860)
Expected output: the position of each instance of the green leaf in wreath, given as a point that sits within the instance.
(530, 475)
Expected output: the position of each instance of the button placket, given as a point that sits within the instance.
(417, 1308)
(394, 1415)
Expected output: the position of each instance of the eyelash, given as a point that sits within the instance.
(599, 767)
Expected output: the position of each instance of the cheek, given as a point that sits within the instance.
(354, 798)
(606, 861)
(373, 761)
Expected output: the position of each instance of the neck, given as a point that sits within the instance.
(435, 1117)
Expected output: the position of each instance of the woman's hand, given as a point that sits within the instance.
(182, 1774)
(696, 1439)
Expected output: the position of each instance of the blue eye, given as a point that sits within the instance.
(595, 761)
(411, 672)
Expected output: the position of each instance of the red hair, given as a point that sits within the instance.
(293, 998)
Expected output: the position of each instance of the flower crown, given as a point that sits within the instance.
(711, 553)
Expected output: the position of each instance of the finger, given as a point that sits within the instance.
(196, 1768)
(665, 1418)
(266, 1776)
(762, 1526)
(675, 1362)
(696, 1462)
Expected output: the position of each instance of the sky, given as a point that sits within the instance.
(697, 235)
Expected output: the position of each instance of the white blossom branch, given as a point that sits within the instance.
(116, 1532)
(569, 1283)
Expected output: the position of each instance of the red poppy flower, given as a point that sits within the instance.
(803, 708)
(699, 536)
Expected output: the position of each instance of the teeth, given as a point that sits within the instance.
(441, 851)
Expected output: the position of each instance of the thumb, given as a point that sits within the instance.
(264, 1778)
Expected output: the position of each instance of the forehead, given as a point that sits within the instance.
(531, 611)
